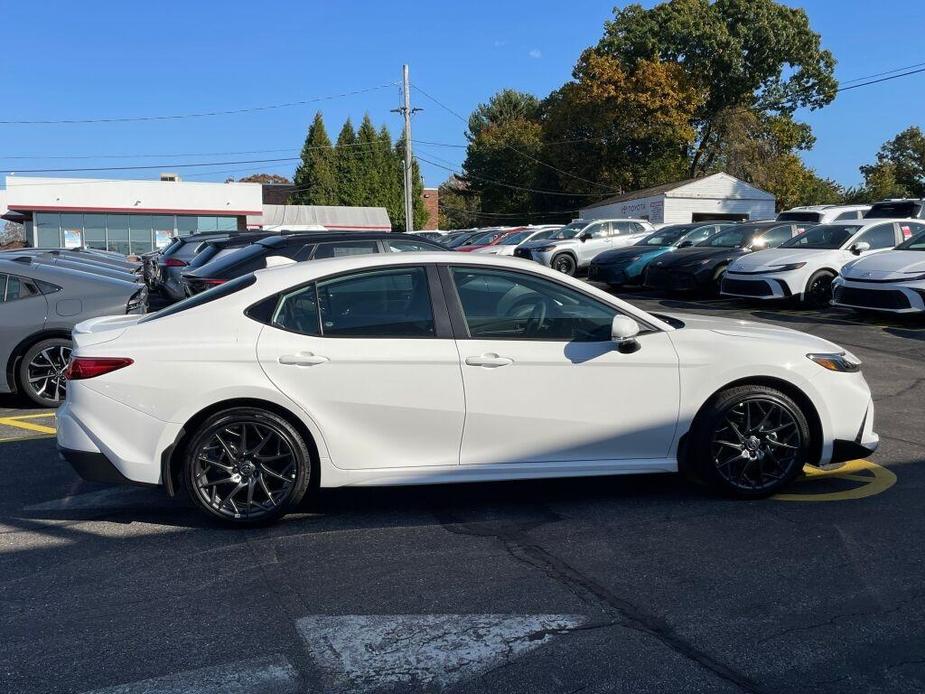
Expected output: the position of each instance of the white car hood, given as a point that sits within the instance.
(752, 329)
(887, 265)
(771, 258)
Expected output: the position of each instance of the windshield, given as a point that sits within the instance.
(569, 231)
(484, 239)
(666, 236)
(731, 238)
(461, 240)
(514, 239)
(823, 236)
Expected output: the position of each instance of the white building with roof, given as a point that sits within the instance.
(718, 196)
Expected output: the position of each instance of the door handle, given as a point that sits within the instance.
(490, 361)
(302, 359)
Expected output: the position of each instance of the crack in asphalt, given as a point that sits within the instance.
(902, 391)
(517, 543)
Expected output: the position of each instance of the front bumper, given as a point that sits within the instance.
(671, 280)
(878, 296)
(611, 274)
(754, 287)
(862, 445)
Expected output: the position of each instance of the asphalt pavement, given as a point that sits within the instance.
(626, 584)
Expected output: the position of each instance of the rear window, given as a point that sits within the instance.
(205, 297)
(799, 217)
(900, 208)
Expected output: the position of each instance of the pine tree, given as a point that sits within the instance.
(392, 186)
(345, 154)
(369, 166)
(316, 177)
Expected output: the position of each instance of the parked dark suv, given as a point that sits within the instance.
(310, 245)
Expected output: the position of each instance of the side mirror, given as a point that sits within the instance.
(584, 236)
(623, 332)
(685, 244)
(859, 247)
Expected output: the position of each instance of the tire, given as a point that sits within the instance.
(564, 263)
(219, 476)
(40, 374)
(818, 292)
(769, 430)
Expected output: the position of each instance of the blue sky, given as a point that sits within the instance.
(116, 59)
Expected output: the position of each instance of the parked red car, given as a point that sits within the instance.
(489, 238)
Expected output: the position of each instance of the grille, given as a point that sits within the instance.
(523, 253)
(746, 287)
(659, 278)
(871, 298)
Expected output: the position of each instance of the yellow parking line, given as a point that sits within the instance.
(40, 415)
(28, 426)
(879, 480)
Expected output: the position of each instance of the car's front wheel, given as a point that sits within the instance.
(564, 263)
(246, 466)
(750, 441)
(818, 293)
(41, 371)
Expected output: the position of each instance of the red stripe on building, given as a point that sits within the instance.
(146, 210)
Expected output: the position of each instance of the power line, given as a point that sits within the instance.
(517, 151)
(529, 213)
(882, 79)
(204, 114)
(879, 74)
(509, 185)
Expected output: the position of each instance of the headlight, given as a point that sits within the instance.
(543, 249)
(837, 361)
(786, 268)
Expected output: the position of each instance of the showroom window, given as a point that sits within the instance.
(47, 230)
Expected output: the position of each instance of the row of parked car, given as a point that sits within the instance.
(817, 255)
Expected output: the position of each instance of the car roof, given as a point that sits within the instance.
(322, 236)
(57, 274)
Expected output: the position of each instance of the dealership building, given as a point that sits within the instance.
(718, 196)
(136, 216)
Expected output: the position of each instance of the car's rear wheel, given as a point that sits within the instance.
(818, 293)
(564, 263)
(750, 442)
(716, 286)
(41, 371)
(247, 466)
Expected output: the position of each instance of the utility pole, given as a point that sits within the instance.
(407, 112)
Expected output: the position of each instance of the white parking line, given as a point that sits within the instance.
(364, 653)
(269, 675)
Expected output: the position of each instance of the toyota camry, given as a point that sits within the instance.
(423, 368)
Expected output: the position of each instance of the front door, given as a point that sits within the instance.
(595, 239)
(361, 354)
(543, 381)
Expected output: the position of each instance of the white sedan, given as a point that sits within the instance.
(420, 369)
(511, 241)
(805, 266)
(892, 281)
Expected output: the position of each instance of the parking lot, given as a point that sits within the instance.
(637, 584)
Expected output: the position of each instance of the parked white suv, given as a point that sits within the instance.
(823, 214)
(575, 245)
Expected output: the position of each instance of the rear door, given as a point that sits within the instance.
(369, 355)
(23, 311)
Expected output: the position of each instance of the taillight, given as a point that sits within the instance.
(90, 367)
(211, 282)
(173, 262)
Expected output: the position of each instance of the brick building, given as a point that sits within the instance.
(432, 205)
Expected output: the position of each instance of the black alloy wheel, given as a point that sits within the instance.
(751, 442)
(818, 292)
(247, 466)
(41, 371)
(564, 263)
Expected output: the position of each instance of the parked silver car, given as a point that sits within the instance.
(39, 306)
(575, 245)
(73, 262)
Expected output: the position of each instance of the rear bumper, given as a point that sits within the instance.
(93, 467)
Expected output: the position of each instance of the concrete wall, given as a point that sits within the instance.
(681, 210)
